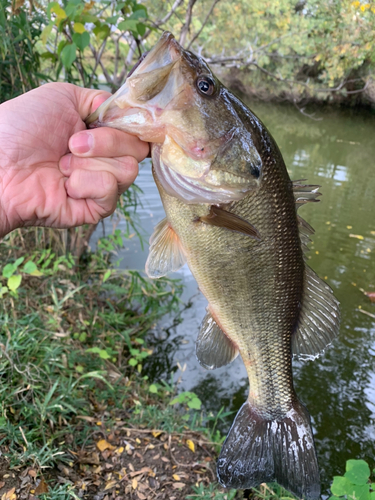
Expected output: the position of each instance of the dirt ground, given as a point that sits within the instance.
(121, 463)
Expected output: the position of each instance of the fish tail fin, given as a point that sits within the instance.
(257, 450)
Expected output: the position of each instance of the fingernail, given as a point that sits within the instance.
(81, 142)
(64, 163)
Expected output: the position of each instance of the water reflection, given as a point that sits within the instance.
(338, 388)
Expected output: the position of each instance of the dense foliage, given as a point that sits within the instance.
(305, 49)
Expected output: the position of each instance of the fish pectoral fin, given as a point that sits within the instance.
(166, 253)
(222, 218)
(259, 450)
(213, 348)
(319, 318)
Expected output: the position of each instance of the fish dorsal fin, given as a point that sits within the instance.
(166, 253)
(305, 193)
(222, 218)
(213, 348)
(319, 318)
(305, 231)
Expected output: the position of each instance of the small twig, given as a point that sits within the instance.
(186, 27)
(24, 437)
(367, 313)
(203, 24)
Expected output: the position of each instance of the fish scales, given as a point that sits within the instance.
(231, 215)
(254, 290)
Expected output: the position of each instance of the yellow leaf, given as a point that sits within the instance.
(358, 236)
(110, 485)
(349, 227)
(134, 484)
(119, 450)
(156, 433)
(79, 28)
(60, 13)
(176, 477)
(36, 273)
(104, 445)
(191, 445)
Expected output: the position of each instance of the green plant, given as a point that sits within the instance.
(189, 398)
(211, 492)
(355, 483)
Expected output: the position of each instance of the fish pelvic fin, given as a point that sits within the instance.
(258, 450)
(166, 253)
(213, 348)
(319, 318)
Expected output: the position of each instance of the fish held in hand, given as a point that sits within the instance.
(231, 214)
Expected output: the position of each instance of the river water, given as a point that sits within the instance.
(337, 152)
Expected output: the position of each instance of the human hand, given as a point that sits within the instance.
(54, 172)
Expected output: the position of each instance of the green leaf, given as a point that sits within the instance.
(139, 341)
(340, 486)
(14, 282)
(104, 354)
(3, 291)
(127, 25)
(360, 492)
(141, 28)
(357, 471)
(107, 274)
(8, 270)
(195, 404)
(372, 495)
(153, 388)
(81, 40)
(29, 267)
(112, 19)
(68, 55)
(133, 362)
(139, 11)
(101, 31)
(18, 262)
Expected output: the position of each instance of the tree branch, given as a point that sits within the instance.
(186, 26)
(203, 24)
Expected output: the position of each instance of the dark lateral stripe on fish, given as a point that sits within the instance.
(221, 218)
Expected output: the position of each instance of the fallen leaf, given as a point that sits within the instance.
(104, 445)
(191, 445)
(119, 450)
(141, 496)
(371, 296)
(176, 477)
(2, 483)
(358, 236)
(10, 495)
(178, 485)
(110, 485)
(134, 484)
(32, 472)
(156, 433)
(41, 488)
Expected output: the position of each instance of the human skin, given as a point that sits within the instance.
(54, 172)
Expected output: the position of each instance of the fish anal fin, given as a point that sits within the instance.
(213, 348)
(259, 450)
(166, 253)
(319, 318)
(222, 218)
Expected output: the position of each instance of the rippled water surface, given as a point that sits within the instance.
(338, 153)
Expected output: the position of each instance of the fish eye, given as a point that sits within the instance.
(205, 85)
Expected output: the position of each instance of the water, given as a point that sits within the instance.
(337, 152)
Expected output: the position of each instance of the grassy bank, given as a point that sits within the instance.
(79, 418)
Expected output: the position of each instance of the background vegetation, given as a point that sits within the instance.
(297, 50)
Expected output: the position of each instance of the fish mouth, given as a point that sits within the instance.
(141, 100)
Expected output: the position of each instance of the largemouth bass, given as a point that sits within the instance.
(231, 214)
